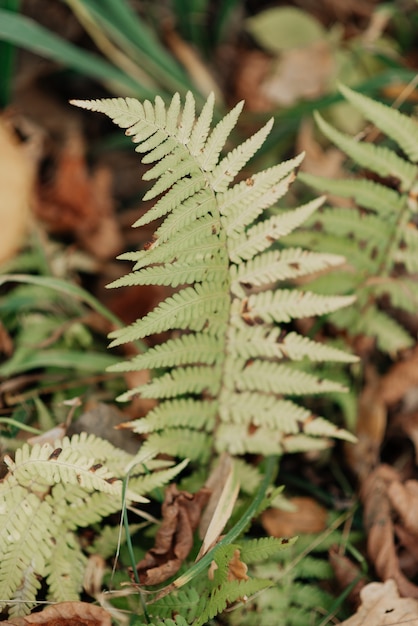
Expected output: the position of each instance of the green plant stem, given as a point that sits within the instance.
(205, 561)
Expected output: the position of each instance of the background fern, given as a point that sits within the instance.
(378, 234)
(228, 358)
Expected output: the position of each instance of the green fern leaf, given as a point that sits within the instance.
(395, 125)
(228, 593)
(269, 267)
(189, 309)
(233, 163)
(198, 414)
(256, 550)
(261, 236)
(284, 305)
(65, 570)
(380, 160)
(208, 158)
(182, 442)
(366, 193)
(280, 379)
(180, 351)
(209, 240)
(188, 380)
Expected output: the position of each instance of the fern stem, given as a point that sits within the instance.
(200, 566)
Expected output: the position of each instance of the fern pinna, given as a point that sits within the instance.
(378, 236)
(228, 365)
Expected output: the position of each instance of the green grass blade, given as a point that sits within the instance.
(26, 33)
(64, 287)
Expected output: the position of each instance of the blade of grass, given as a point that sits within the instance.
(126, 29)
(7, 56)
(26, 33)
(64, 287)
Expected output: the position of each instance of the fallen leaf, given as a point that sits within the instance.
(380, 527)
(381, 605)
(6, 342)
(80, 202)
(65, 614)
(408, 424)
(346, 573)
(181, 513)
(308, 517)
(17, 174)
(363, 456)
(400, 378)
(301, 73)
(319, 161)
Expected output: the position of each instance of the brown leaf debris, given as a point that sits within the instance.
(181, 513)
(65, 614)
(81, 203)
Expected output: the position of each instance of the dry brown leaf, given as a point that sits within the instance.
(80, 202)
(380, 528)
(317, 160)
(17, 174)
(381, 605)
(363, 456)
(181, 513)
(65, 614)
(404, 499)
(237, 569)
(408, 424)
(400, 378)
(346, 572)
(300, 73)
(308, 517)
(6, 342)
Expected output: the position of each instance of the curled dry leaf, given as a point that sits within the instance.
(17, 173)
(237, 569)
(181, 513)
(381, 605)
(65, 614)
(308, 517)
(80, 202)
(380, 527)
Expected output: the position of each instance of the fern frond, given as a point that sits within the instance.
(65, 570)
(256, 550)
(182, 190)
(211, 248)
(229, 592)
(189, 309)
(233, 163)
(182, 442)
(180, 351)
(366, 193)
(208, 157)
(198, 414)
(272, 266)
(380, 160)
(188, 380)
(148, 482)
(261, 236)
(399, 127)
(280, 379)
(44, 465)
(284, 305)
